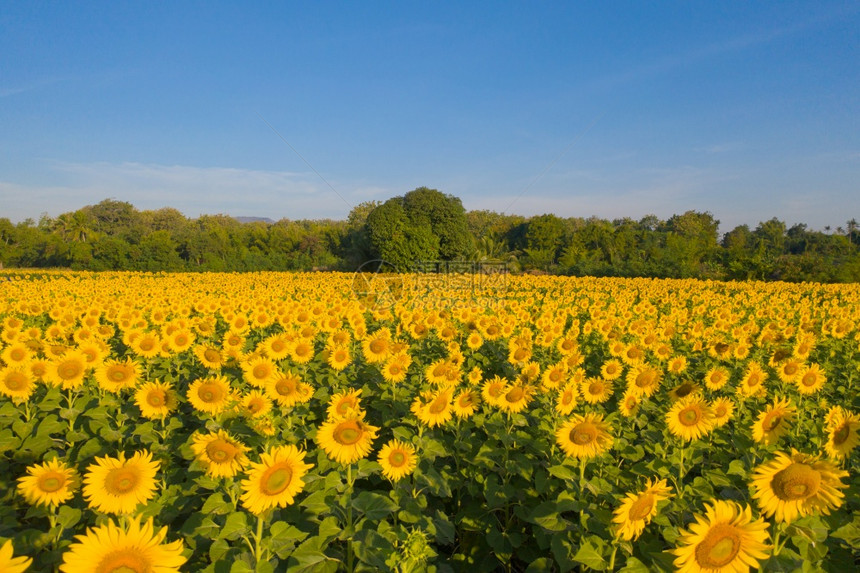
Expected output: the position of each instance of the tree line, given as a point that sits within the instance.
(427, 225)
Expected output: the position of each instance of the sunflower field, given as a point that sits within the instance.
(272, 421)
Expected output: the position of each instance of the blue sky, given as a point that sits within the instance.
(749, 110)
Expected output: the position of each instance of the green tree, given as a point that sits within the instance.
(446, 218)
(397, 239)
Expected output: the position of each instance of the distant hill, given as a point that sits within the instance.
(253, 219)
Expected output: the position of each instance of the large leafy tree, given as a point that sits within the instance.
(423, 225)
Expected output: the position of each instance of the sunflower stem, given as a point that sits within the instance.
(350, 557)
(258, 538)
(681, 474)
(612, 557)
(582, 463)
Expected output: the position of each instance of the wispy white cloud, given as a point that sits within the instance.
(8, 91)
(192, 190)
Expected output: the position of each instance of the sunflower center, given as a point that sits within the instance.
(120, 481)
(595, 388)
(466, 401)
(438, 405)
(147, 344)
(567, 398)
(397, 459)
(631, 403)
(221, 452)
(797, 481)
(689, 416)
(771, 421)
(255, 406)
(128, 560)
(514, 395)
(210, 393)
(276, 479)
(645, 379)
(683, 390)
(155, 398)
(377, 346)
(69, 370)
(261, 371)
(495, 390)
(790, 368)
(520, 354)
(285, 387)
(754, 380)
(117, 375)
(344, 406)
(809, 379)
(211, 355)
(347, 433)
(719, 547)
(51, 482)
(641, 508)
(841, 435)
(583, 434)
(15, 381)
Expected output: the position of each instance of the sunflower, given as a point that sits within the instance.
(339, 358)
(810, 379)
(180, 340)
(752, 384)
(258, 371)
(119, 485)
(397, 459)
(677, 364)
(566, 400)
(155, 399)
(789, 370)
(344, 404)
(377, 347)
(797, 485)
(16, 354)
(220, 453)
(135, 547)
(596, 390)
(494, 390)
(612, 369)
(683, 390)
(637, 509)
(466, 403)
(9, 564)
(210, 395)
(50, 483)
(346, 440)
(68, 370)
(690, 418)
(724, 540)
(516, 398)
(438, 409)
(288, 390)
(209, 356)
(147, 345)
(774, 422)
(302, 351)
(716, 378)
(644, 380)
(842, 435)
(277, 346)
(585, 436)
(553, 376)
(396, 367)
(16, 382)
(114, 375)
(722, 408)
(255, 404)
(629, 404)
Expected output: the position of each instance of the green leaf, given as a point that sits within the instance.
(309, 558)
(589, 555)
(563, 472)
(317, 502)
(374, 506)
(235, 526)
(633, 565)
(547, 515)
(68, 516)
(737, 468)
